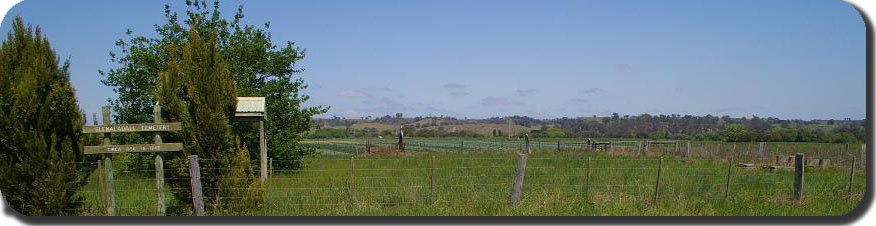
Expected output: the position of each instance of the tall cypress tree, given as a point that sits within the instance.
(199, 91)
(41, 126)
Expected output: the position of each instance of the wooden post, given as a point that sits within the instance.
(641, 147)
(587, 183)
(733, 150)
(647, 145)
(102, 184)
(798, 176)
(106, 121)
(432, 180)
(461, 145)
(558, 145)
(401, 139)
(676, 147)
(687, 150)
(851, 174)
(518, 179)
(718, 149)
(110, 191)
(195, 178)
(159, 185)
(657, 185)
(263, 152)
(368, 146)
(760, 150)
(156, 114)
(527, 147)
(729, 175)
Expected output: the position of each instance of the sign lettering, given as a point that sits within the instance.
(123, 128)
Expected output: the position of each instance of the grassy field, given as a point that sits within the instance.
(555, 184)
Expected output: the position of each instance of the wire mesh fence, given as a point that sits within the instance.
(571, 182)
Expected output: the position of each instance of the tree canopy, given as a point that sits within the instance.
(258, 66)
(40, 144)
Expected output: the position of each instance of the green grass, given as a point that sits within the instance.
(556, 184)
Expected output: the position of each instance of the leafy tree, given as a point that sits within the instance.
(258, 66)
(41, 127)
(736, 133)
(198, 90)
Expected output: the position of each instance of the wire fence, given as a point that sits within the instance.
(341, 185)
(778, 153)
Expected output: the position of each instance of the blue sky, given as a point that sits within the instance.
(544, 59)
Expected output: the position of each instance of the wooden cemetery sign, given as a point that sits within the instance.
(125, 128)
(133, 148)
(107, 192)
(108, 128)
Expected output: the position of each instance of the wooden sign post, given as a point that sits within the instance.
(108, 128)
(108, 148)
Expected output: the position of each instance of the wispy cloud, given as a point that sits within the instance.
(592, 91)
(458, 90)
(623, 67)
(578, 100)
(499, 102)
(356, 94)
(525, 92)
(454, 86)
(378, 89)
(459, 93)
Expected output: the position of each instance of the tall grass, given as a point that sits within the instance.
(555, 184)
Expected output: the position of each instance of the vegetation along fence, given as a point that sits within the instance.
(492, 183)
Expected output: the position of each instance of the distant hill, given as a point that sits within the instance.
(641, 126)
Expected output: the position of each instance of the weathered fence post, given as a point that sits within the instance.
(518, 179)
(527, 147)
(401, 139)
(647, 145)
(110, 191)
(799, 165)
(657, 185)
(195, 178)
(432, 180)
(587, 183)
(102, 184)
(558, 145)
(733, 151)
(461, 145)
(760, 150)
(156, 114)
(106, 121)
(159, 185)
(852, 174)
(641, 147)
(729, 175)
(687, 150)
(676, 147)
(263, 153)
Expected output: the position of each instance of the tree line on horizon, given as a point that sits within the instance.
(644, 126)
